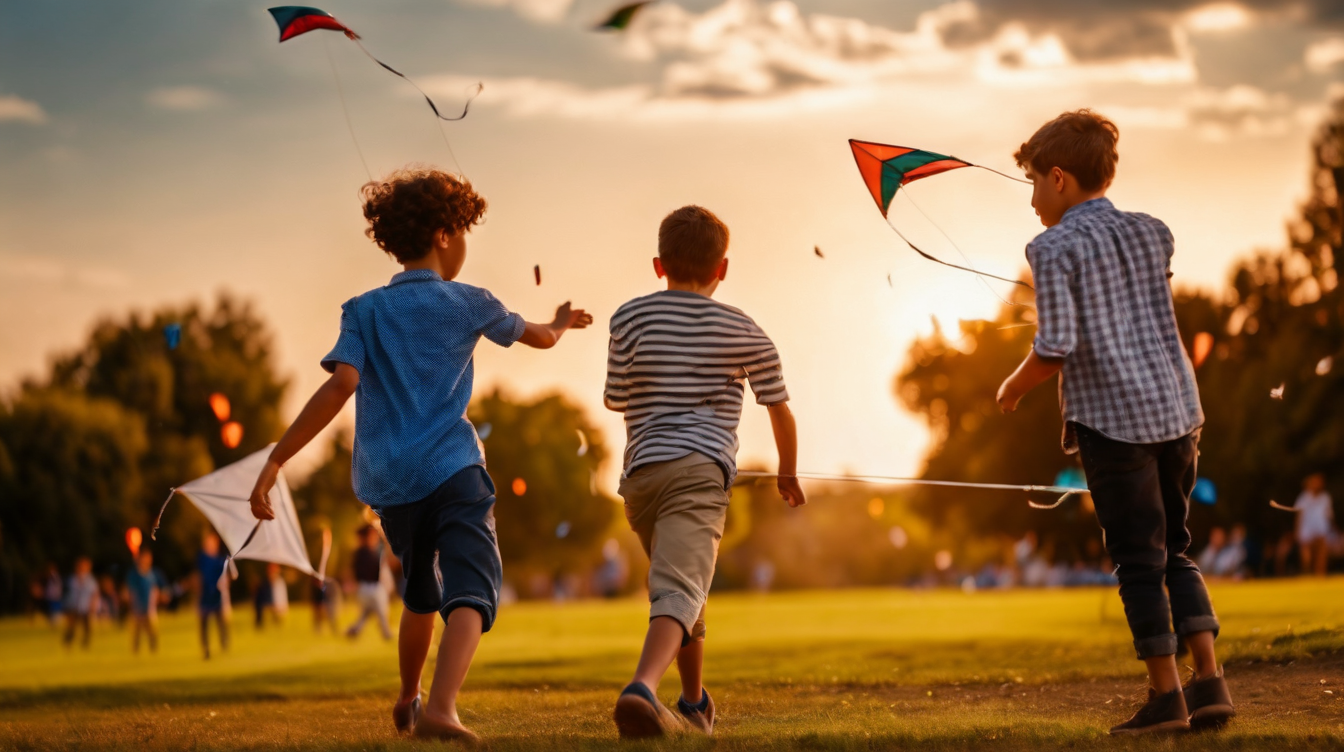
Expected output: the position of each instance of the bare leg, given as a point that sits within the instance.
(661, 647)
(417, 632)
(1201, 651)
(1321, 548)
(690, 664)
(461, 636)
(1163, 675)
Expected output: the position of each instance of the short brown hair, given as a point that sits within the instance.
(691, 243)
(1081, 143)
(406, 208)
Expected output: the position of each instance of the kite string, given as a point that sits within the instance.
(1064, 490)
(937, 260)
(960, 253)
(345, 110)
(1004, 174)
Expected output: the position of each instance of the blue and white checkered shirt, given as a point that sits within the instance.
(1103, 302)
(412, 343)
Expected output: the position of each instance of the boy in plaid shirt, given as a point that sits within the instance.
(1107, 325)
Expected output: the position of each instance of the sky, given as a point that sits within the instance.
(162, 151)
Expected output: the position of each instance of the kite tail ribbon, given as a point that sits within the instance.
(162, 509)
(479, 87)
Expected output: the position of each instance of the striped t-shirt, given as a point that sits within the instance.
(675, 368)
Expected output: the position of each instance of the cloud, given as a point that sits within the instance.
(183, 98)
(1117, 29)
(37, 269)
(1221, 114)
(544, 11)
(1322, 56)
(18, 109)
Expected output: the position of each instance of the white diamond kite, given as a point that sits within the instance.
(222, 496)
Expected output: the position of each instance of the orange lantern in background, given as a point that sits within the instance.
(1203, 346)
(220, 405)
(519, 486)
(231, 434)
(133, 540)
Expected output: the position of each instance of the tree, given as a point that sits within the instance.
(129, 374)
(70, 480)
(549, 514)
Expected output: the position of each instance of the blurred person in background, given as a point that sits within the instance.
(370, 591)
(51, 592)
(1315, 524)
(81, 601)
(1207, 557)
(145, 588)
(1231, 559)
(212, 600)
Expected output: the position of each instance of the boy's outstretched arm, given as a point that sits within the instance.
(786, 440)
(1034, 370)
(322, 407)
(544, 336)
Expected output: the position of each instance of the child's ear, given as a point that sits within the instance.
(658, 267)
(1057, 178)
(722, 271)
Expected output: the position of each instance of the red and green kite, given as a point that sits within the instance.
(886, 167)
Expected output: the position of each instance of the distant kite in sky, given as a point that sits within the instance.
(621, 17)
(885, 168)
(294, 20)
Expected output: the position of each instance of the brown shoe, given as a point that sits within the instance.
(1209, 702)
(699, 716)
(639, 715)
(426, 728)
(405, 715)
(1163, 713)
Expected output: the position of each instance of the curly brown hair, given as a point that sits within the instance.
(1081, 143)
(407, 207)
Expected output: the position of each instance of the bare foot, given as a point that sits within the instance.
(446, 729)
(406, 714)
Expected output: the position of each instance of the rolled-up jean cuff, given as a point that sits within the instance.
(679, 606)
(1157, 645)
(1199, 624)
(486, 609)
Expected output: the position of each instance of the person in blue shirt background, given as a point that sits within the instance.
(405, 353)
(212, 602)
(145, 587)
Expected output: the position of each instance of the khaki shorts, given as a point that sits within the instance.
(678, 509)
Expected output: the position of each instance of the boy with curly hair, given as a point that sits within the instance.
(405, 352)
(676, 363)
(1106, 323)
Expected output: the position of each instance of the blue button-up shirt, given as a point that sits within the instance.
(412, 343)
(1103, 301)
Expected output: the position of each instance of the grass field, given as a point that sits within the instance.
(848, 670)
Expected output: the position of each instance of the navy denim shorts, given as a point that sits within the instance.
(447, 547)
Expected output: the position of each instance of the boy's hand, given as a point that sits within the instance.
(571, 318)
(790, 489)
(1008, 396)
(261, 503)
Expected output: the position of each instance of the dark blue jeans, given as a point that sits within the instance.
(1142, 496)
(447, 547)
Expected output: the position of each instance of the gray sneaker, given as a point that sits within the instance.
(699, 716)
(639, 715)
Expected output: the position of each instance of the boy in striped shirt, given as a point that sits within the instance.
(675, 369)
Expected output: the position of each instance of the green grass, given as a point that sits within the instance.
(869, 669)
